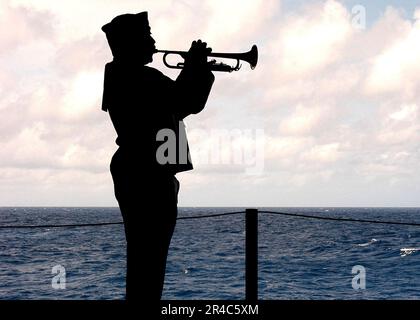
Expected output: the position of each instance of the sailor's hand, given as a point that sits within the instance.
(197, 55)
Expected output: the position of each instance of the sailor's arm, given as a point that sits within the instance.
(194, 83)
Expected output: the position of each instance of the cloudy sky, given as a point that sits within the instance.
(330, 117)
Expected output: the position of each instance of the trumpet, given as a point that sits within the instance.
(251, 57)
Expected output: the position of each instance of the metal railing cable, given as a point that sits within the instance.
(100, 224)
(307, 216)
(50, 226)
(295, 215)
(210, 215)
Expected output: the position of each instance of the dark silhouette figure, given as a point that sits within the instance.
(142, 102)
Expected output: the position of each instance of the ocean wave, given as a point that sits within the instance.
(407, 251)
(368, 243)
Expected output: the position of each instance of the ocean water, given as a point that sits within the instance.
(298, 258)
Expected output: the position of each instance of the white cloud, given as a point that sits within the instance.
(400, 126)
(27, 149)
(407, 112)
(303, 120)
(84, 96)
(324, 153)
(77, 19)
(240, 20)
(397, 67)
(19, 25)
(312, 40)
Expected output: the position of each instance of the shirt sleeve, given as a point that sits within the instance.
(191, 90)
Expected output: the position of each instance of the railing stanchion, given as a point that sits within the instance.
(251, 254)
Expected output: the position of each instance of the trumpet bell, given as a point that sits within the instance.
(252, 57)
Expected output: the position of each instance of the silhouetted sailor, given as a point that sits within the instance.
(146, 109)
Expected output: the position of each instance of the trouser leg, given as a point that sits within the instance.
(149, 221)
